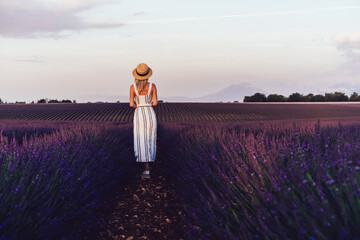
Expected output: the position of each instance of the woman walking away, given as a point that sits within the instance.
(145, 124)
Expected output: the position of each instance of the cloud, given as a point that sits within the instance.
(139, 13)
(347, 41)
(346, 87)
(352, 64)
(347, 91)
(78, 5)
(31, 59)
(32, 18)
(349, 45)
(299, 12)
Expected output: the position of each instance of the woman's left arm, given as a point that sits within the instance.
(154, 95)
(131, 102)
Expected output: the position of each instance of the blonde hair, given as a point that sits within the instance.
(141, 84)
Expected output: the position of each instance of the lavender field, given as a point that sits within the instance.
(53, 176)
(278, 179)
(293, 181)
(179, 112)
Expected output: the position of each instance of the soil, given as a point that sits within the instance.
(144, 209)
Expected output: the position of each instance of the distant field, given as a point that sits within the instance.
(251, 171)
(180, 112)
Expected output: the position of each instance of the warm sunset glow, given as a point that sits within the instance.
(86, 50)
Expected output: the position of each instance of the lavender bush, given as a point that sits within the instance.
(266, 182)
(52, 177)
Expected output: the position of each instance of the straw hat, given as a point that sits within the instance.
(142, 72)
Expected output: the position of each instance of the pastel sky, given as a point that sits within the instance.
(69, 48)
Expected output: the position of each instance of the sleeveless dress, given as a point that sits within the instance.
(145, 126)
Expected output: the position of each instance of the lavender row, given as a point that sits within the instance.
(268, 182)
(53, 180)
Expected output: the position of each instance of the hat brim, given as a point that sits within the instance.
(137, 76)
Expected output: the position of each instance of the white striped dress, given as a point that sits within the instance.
(145, 126)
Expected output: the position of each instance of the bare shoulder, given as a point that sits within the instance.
(153, 89)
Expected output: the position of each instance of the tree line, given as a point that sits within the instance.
(43, 100)
(297, 97)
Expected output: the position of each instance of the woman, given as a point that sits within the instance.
(145, 124)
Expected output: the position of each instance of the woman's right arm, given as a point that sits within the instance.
(154, 95)
(132, 103)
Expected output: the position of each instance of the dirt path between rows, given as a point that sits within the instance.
(145, 209)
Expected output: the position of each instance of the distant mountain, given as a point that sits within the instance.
(346, 88)
(176, 99)
(101, 98)
(235, 92)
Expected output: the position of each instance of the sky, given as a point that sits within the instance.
(68, 49)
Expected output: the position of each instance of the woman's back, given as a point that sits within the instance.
(143, 100)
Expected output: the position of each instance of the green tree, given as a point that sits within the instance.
(295, 97)
(336, 97)
(308, 97)
(257, 97)
(318, 98)
(275, 98)
(342, 97)
(43, 100)
(355, 97)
